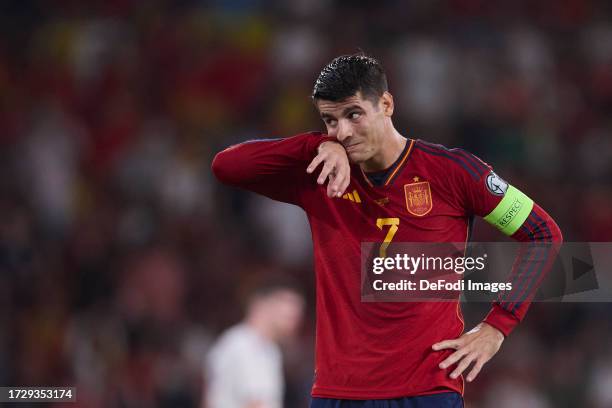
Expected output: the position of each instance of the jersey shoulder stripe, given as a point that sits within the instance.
(477, 165)
(480, 166)
(457, 158)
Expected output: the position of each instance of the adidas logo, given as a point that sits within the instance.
(354, 197)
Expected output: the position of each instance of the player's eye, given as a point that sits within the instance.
(330, 122)
(354, 115)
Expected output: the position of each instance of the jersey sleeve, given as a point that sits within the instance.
(514, 214)
(541, 239)
(480, 190)
(275, 168)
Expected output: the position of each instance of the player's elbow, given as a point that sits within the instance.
(548, 228)
(222, 167)
(557, 235)
(553, 234)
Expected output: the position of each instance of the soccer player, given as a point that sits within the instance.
(397, 190)
(244, 367)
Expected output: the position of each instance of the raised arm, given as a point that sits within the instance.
(277, 168)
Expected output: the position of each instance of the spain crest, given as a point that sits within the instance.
(418, 198)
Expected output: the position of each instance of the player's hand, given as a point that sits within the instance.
(476, 346)
(336, 168)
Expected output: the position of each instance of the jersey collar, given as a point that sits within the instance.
(395, 168)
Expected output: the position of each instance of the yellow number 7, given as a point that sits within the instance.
(393, 227)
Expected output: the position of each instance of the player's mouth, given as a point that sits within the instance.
(352, 147)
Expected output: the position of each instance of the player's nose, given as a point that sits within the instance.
(344, 131)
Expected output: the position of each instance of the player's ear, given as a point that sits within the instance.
(386, 101)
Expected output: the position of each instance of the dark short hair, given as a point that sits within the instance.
(348, 74)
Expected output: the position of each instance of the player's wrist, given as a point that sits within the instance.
(494, 330)
(326, 144)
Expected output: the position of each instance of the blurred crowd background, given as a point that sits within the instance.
(121, 258)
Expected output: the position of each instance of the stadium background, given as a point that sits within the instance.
(121, 258)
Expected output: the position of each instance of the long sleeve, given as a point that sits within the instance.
(541, 238)
(513, 213)
(275, 168)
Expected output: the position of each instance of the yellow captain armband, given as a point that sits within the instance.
(511, 212)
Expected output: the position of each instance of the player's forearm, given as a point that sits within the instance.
(542, 238)
(252, 161)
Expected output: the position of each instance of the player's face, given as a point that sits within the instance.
(357, 123)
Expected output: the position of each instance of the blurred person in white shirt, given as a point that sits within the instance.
(244, 367)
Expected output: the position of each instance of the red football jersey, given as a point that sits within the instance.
(379, 350)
